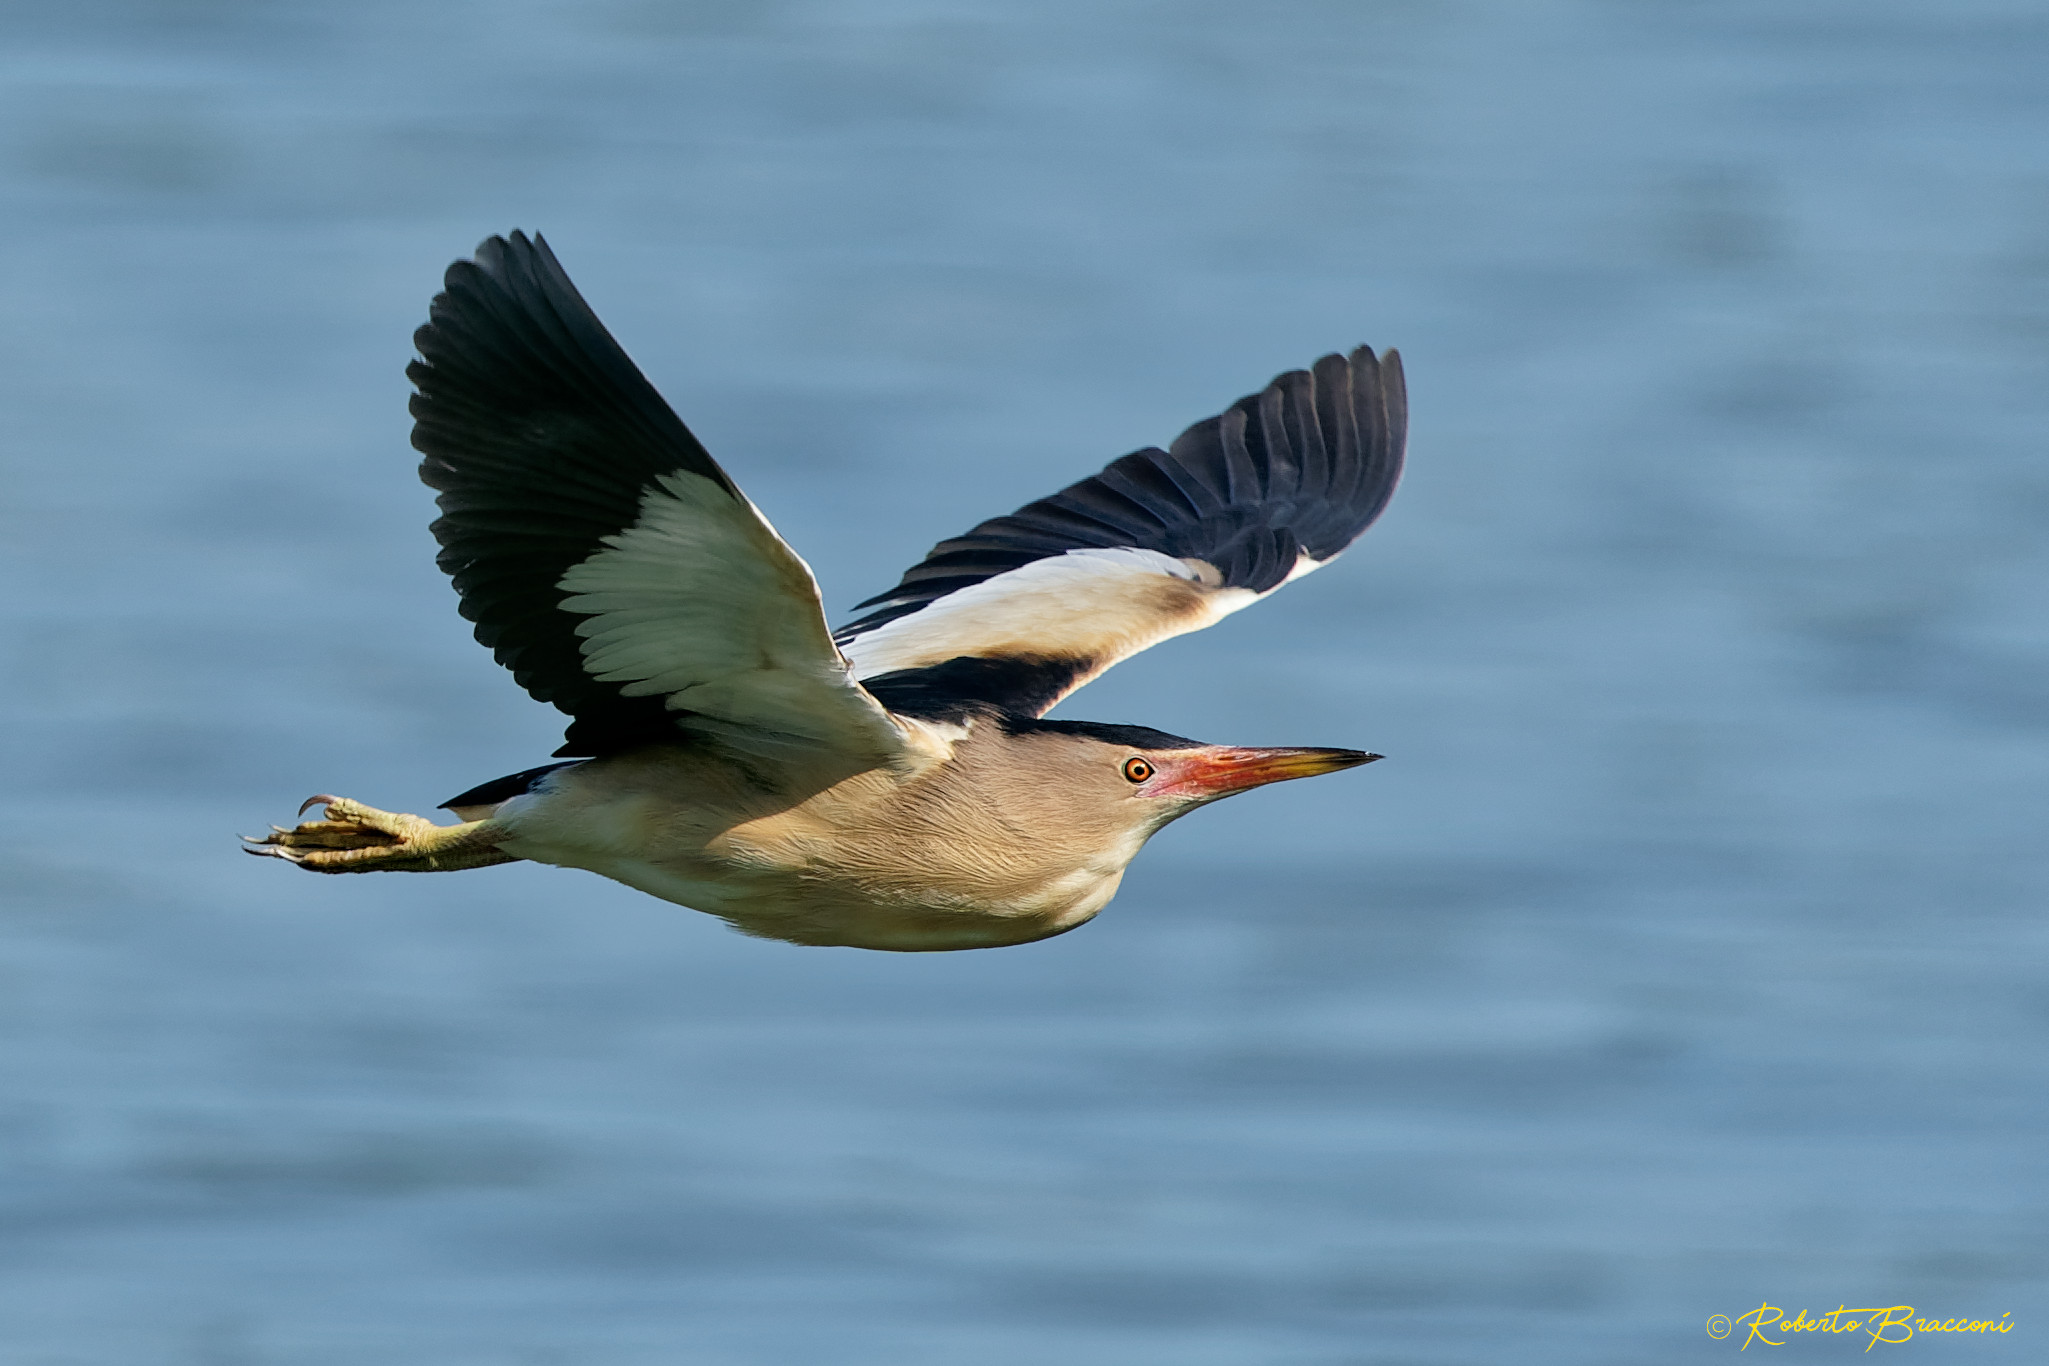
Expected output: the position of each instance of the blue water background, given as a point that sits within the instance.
(1688, 952)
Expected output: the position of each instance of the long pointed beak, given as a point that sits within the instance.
(1223, 769)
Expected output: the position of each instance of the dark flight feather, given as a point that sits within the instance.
(1301, 468)
(541, 437)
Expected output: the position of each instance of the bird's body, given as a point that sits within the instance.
(941, 856)
(893, 786)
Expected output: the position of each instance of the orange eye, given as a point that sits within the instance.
(1137, 770)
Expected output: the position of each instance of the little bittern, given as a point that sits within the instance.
(891, 785)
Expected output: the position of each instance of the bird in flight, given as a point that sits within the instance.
(890, 785)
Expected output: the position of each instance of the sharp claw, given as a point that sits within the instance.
(317, 799)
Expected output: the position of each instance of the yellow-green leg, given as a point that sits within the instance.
(354, 838)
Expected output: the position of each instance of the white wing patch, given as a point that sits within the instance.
(1094, 606)
(700, 602)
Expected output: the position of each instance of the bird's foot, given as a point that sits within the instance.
(354, 838)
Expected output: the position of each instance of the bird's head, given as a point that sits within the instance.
(1136, 779)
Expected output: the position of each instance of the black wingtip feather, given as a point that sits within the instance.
(1300, 468)
(541, 437)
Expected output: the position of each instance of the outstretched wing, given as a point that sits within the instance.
(1024, 609)
(604, 556)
